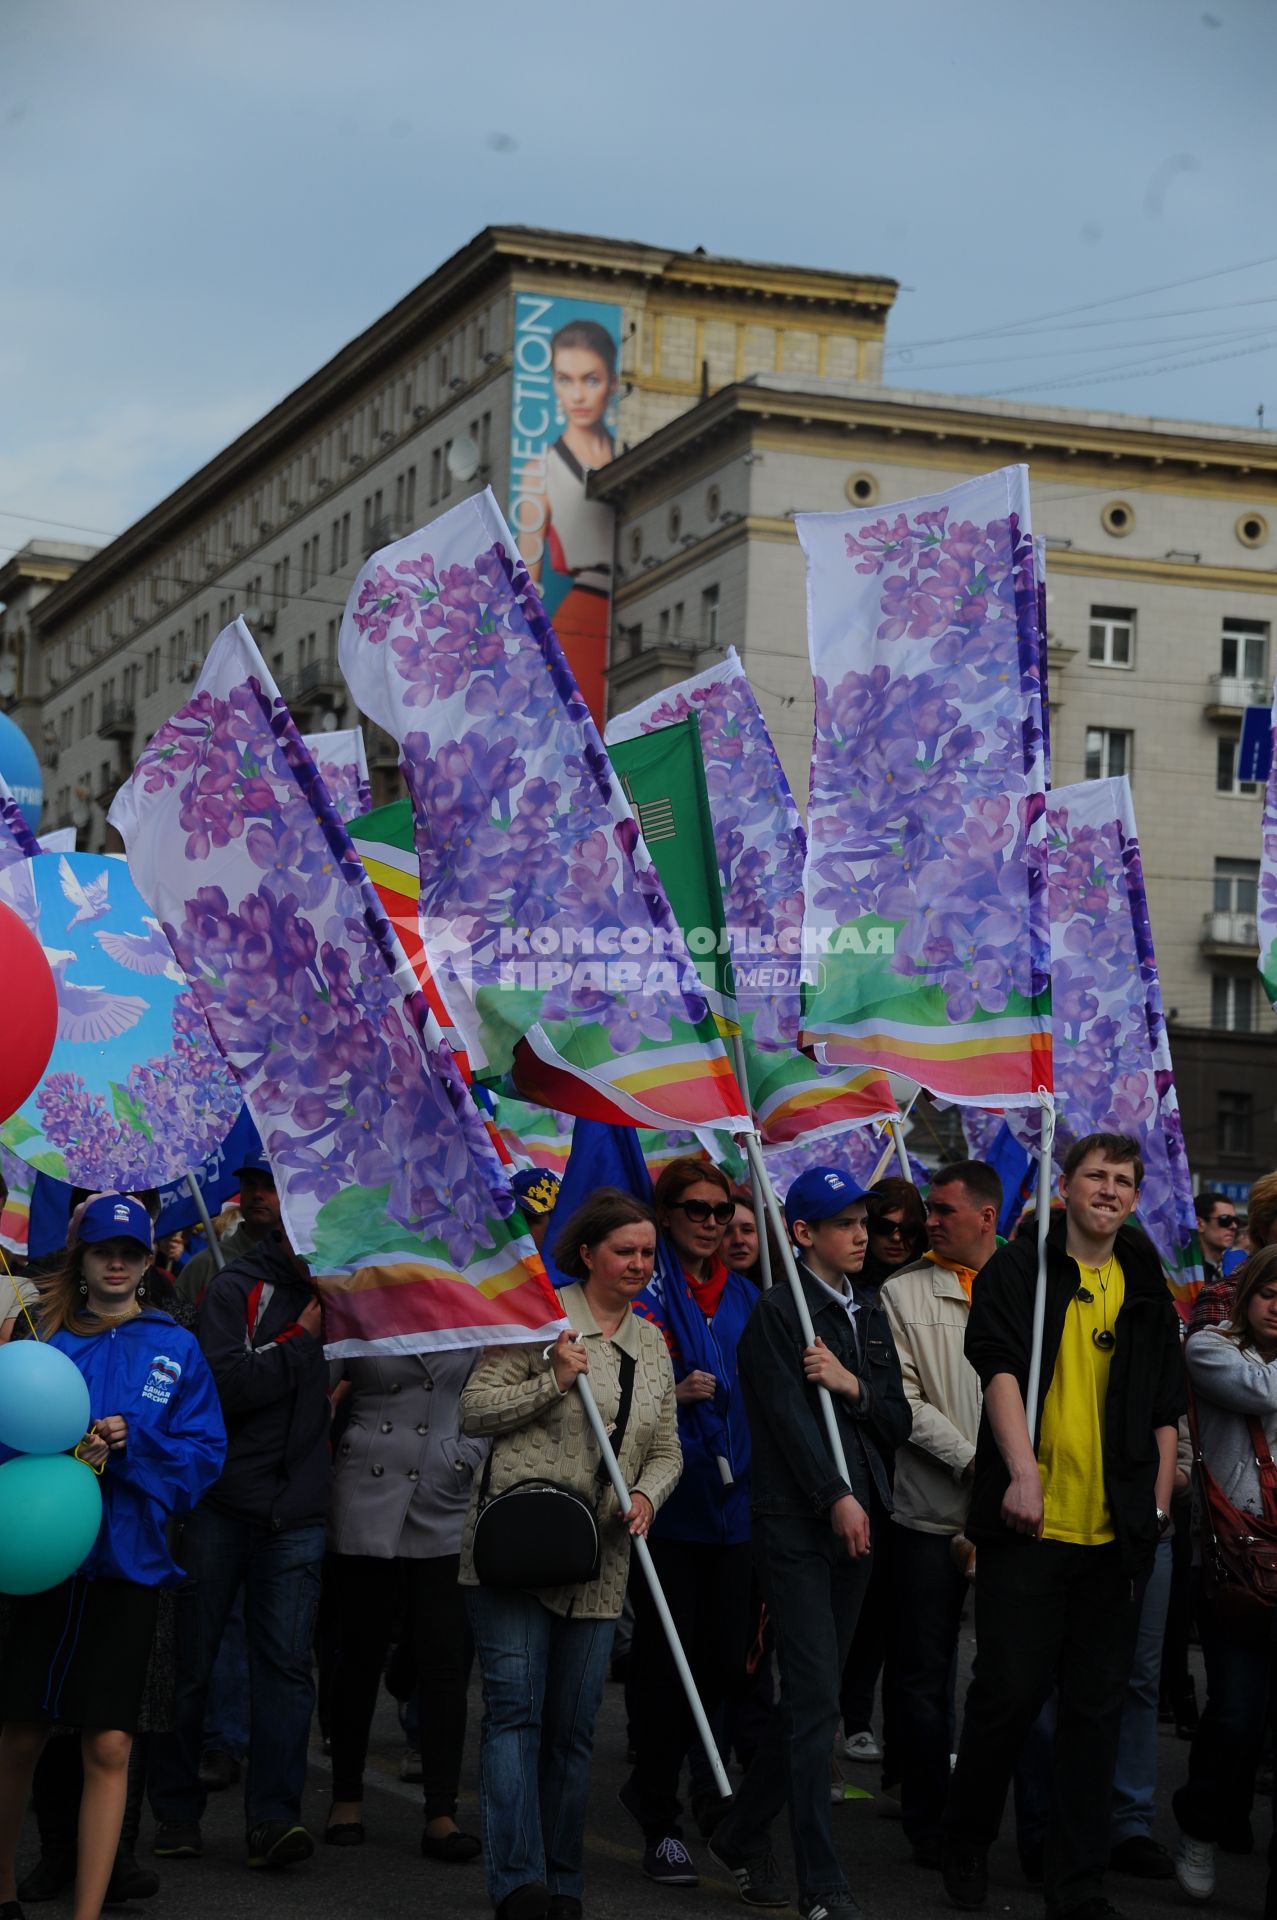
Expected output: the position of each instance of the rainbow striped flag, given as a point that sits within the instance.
(926, 912)
(546, 926)
(736, 813)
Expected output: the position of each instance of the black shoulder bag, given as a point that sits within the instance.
(539, 1533)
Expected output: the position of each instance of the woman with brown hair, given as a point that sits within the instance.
(897, 1224)
(543, 1653)
(79, 1653)
(701, 1545)
(1232, 1370)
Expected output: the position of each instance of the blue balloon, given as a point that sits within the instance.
(50, 1513)
(21, 769)
(44, 1402)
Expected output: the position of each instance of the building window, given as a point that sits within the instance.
(410, 499)
(1234, 1124)
(663, 624)
(679, 615)
(1234, 1002)
(345, 539)
(709, 617)
(1243, 652)
(1236, 886)
(447, 468)
(434, 476)
(333, 545)
(1226, 781)
(1108, 753)
(1112, 637)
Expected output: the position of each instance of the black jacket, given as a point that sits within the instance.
(272, 1380)
(1146, 1380)
(791, 1468)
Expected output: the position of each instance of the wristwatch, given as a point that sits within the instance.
(1163, 1523)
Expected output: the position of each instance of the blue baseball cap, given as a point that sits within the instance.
(255, 1161)
(115, 1216)
(819, 1194)
(536, 1189)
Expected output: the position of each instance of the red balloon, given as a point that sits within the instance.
(28, 1012)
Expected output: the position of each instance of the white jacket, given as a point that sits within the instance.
(927, 1311)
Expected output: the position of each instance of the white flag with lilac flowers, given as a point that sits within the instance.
(389, 1183)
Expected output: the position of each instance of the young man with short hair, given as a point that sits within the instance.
(1216, 1230)
(812, 1529)
(928, 1304)
(1067, 1513)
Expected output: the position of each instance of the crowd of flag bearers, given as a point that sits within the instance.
(330, 1517)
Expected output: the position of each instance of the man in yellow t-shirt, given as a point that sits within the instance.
(1067, 1529)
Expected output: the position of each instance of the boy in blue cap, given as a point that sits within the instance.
(812, 1530)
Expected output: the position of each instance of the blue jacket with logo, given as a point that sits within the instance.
(152, 1371)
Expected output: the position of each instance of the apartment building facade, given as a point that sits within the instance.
(748, 392)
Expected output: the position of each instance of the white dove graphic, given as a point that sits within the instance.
(90, 1013)
(90, 902)
(142, 952)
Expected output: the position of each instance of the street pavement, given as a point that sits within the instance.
(387, 1879)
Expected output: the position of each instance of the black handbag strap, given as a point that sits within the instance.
(626, 1370)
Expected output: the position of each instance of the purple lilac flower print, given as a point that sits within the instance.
(293, 964)
(927, 776)
(519, 827)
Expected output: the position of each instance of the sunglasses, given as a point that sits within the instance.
(889, 1229)
(1225, 1220)
(699, 1211)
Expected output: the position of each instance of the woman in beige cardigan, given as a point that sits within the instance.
(543, 1655)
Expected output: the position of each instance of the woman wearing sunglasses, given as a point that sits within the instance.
(897, 1230)
(701, 1539)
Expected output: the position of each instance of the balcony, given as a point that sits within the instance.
(316, 688)
(118, 720)
(1227, 696)
(1230, 934)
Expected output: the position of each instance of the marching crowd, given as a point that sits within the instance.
(820, 1485)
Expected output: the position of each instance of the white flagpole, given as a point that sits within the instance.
(643, 1551)
(754, 1149)
(760, 1204)
(214, 1244)
(1039, 1295)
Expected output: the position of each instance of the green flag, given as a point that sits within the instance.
(663, 778)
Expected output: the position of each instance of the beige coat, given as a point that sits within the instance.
(927, 1311)
(539, 1433)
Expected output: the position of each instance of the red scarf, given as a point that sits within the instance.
(708, 1293)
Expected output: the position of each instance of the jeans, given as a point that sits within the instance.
(708, 1592)
(1135, 1777)
(542, 1682)
(1215, 1800)
(928, 1594)
(226, 1711)
(1047, 1614)
(279, 1573)
(813, 1592)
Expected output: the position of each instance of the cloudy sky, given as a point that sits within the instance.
(201, 203)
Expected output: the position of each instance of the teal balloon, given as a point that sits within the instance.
(44, 1402)
(50, 1513)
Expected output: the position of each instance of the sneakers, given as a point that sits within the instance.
(861, 1746)
(966, 1874)
(275, 1844)
(668, 1862)
(1195, 1866)
(178, 1840)
(837, 1905)
(758, 1880)
(410, 1767)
